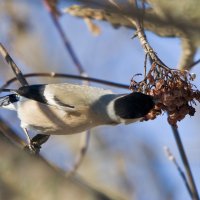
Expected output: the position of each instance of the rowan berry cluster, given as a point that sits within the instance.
(173, 92)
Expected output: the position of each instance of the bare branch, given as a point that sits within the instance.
(195, 63)
(84, 143)
(151, 22)
(114, 17)
(70, 76)
(12, 64)
(18, 179)
(172, 158)
(195, 195)
(64, 38)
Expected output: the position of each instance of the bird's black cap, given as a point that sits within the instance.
(134, 105)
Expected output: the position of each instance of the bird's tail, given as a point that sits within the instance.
(8, 90)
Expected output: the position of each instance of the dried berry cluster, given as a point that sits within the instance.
(172, 90)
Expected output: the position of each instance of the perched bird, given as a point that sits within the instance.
(67, 108)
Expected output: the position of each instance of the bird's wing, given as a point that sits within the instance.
(65, 96)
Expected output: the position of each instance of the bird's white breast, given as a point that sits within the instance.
(47, 119)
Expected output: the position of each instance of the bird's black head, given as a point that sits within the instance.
(134, 105)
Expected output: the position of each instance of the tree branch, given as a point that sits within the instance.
(13, 66)
(24, 177)
(63, 36)
(151, 21)
(171, 157)
(192, 185)
(70, 76)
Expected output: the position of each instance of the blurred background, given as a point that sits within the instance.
(127, 159)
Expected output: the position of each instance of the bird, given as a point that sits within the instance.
(64, 108)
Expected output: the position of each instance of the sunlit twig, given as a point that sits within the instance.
(192, 184)
(172, 158)
(13, 66)
(70, 76)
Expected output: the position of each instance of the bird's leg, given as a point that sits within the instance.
(34, 144)
(29, 147)
(27, 136)
(38, 140)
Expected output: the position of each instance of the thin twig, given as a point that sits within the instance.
(194, 63)
(141, 35)
(84, 143)
(64, 38)
(12, 64)
(172, 158)
(70, 76)
(145, 65)
(192, 185)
